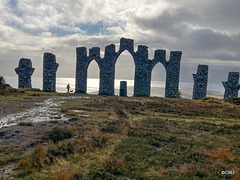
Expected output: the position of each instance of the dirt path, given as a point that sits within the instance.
(45, 111)
(39, 119)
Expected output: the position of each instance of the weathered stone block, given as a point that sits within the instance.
(126, 44)
(123, 89)
(232, 86)
(200, 82)
(24, 71)
(49, 72)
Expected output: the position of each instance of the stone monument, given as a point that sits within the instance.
(123, 89)
(143, 68)
(200, 82)
(24, 71)
(49, 72)
(232, 86)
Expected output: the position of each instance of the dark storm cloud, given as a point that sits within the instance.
(201, 30)
(205, 43)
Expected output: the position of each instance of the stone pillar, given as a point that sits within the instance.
(200, 82)
(49, 72)
(81, 70)
(142, 78)
(232, 86)
(172, 74)
(123, 89)
(24, 71)
(107, 71)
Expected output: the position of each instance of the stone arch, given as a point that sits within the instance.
(126, 45)
(119, 53)
(93, 75)
(93, 60)
(158, 80)
(83, 61)
(125, 58)
(172, 67)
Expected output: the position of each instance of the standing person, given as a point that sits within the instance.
(68, 88)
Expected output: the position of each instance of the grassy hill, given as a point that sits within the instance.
(133, 138)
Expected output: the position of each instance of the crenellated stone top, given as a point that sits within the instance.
(24, 71)
(143, 68)
(25, 66)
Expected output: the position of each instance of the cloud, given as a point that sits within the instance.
(206, 30)
(209, 44)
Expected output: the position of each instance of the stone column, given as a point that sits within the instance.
(200, 82)
(232, 86)
(123, 89)
(81, 70)
(107, 71)
(142, 78)
(172, 74)
(172, 71)
(49, 72)
(24, 71)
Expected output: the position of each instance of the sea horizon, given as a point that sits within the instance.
(157, 87)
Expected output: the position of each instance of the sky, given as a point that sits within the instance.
(206, 31)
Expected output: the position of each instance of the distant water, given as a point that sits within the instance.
(93, 85)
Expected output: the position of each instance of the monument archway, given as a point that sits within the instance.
(143, 68)
(158, 80)
(124, 71)
(93, 76)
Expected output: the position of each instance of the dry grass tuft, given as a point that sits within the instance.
(2, 160)
(236, 178)
(115, 164)
(66, 174)
(85, 145)
(222, 154)
(72, 129)
(38, 157)
(23, 162)
(160, 173)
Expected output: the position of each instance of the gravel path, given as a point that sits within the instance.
(45, 111)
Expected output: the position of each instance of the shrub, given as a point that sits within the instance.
(38, 158)
(99, 141)
(59, 134)
(24, 161)
(222, 154)
(66, 174)
(2, 160)
(85, 145)
(115, 165)
(97, 175)
(63, 148)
